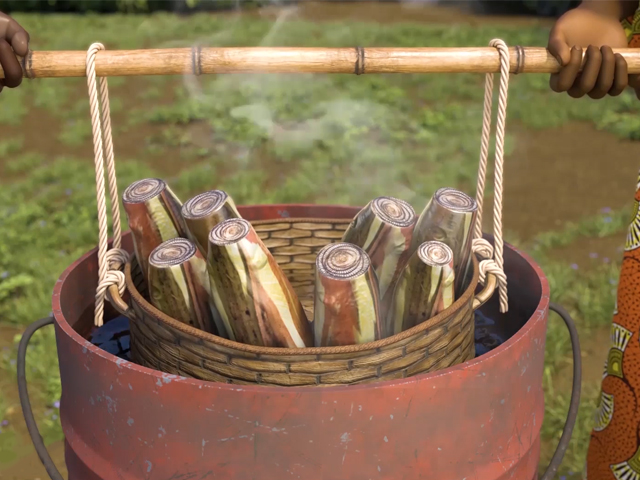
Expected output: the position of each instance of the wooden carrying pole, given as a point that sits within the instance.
(204, 60)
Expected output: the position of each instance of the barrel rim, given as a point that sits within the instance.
(540, 313)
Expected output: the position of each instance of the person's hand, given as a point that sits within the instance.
(14, 40)
(604, 72)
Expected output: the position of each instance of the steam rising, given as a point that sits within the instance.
(361, 164)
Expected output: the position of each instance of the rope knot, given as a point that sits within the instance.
(482, 248)
(109, 261)
(113, 277)
(117, 258)
(493, 261)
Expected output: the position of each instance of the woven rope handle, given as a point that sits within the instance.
(493, 256)
(109, 261)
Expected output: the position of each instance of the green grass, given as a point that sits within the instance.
(279, 138)
(589, 296)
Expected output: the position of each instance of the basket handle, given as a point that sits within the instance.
(483, 296)
(116, 300)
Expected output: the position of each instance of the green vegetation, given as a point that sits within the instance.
(125, 6)
(590, 299)
(266, 139)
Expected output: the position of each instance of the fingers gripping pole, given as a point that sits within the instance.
(493, 256)
(109, 261)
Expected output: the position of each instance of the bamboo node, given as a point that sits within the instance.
(27, 65)
(196, 60)
(359, 67)
(520, 56)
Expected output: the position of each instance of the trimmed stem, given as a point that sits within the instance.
(178, 284)
(449, 218)
(153, 215)
(346, 310)
(254, 302)
(424, 289)
(383, 229)
(203, 212)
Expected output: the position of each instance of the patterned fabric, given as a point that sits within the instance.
(614, 449)
(631, 27)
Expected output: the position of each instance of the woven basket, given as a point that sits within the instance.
(162, 343)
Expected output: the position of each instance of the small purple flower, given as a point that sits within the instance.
(608, 219)
(68, 191)
(574, 266)
(593, 255)
(4, 423)
(605, 259)
(4, 274)
(56, 404)
(605, 210)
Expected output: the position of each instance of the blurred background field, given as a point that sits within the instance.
(570, 171)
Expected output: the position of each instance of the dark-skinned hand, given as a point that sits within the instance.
(604, 73)
(14, 40)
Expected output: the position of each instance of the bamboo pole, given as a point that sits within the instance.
(203, 60)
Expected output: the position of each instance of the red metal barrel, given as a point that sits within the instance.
(477, 420)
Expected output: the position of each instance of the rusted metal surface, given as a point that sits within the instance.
(479, 420)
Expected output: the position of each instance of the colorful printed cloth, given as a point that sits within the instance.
(631, 27)
(614, 449)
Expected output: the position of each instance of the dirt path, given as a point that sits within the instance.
(381, 12)
(563, 174)
(30, 467)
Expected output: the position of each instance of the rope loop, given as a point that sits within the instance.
(480, 245)
(490, 266)
(482, 248)
(116, 258)
(109, 261)
(114, 277)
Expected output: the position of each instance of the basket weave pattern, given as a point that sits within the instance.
(167, 345)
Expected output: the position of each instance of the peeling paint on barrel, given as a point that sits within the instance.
(479, 420)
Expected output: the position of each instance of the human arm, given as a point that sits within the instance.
(594, 24)
(14, 40)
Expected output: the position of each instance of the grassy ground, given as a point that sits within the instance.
(265, 139)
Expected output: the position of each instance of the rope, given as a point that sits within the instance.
(493, 256)
(109, 261)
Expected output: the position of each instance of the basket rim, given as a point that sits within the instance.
(459, 303)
